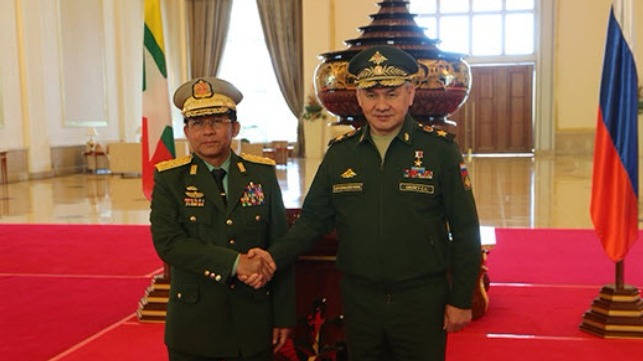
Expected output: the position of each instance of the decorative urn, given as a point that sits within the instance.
(442, 85)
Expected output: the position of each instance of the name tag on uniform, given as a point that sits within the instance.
(416, 188)
(347, 187)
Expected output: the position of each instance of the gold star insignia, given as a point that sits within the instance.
(442, 133)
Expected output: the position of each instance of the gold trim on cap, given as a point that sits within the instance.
(204, 101)
(386, 75)
(217, 104)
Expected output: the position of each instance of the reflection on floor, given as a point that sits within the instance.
(537, 192)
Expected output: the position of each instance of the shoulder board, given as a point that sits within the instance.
(343, 137)
(173, 163)
(437, 132)
(257, 159)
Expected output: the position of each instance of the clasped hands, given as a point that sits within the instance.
(256, 268)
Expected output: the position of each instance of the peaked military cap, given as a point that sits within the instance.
(382, 65)
(206, 96)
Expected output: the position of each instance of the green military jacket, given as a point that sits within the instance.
(409, 216)
(209, 313)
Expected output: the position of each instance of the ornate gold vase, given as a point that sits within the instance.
(444, 79)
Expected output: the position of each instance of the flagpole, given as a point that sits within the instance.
(157, 141)
(620, 276)
(617, 312)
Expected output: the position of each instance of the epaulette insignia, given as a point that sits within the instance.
(173, 163)
(446, 135)
(426, 128)
(342, 137)
(257, 159)
(436, 131)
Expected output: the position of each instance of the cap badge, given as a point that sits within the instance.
(202, 89)
(386, 75)
(378, 58)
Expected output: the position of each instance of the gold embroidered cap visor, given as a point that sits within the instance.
(382, 65)
(206, 96)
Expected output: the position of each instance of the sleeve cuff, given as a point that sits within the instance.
(234, 266)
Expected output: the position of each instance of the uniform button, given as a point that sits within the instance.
(232, 286)
(228, 222)
(206, 273)
(179, 295)
(257, 217)
(192, 218)
(217, 278)
(232, 242)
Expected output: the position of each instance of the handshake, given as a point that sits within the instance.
(256, 268)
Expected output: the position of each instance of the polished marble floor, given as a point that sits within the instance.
(513, 191)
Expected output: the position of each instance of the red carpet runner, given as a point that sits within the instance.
(64, 283)
(70, 292)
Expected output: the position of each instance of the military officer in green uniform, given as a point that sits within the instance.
(207, 211)
(398, 194)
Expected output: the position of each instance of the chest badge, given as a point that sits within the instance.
(193, 197)
(417, 170)
(349, 173)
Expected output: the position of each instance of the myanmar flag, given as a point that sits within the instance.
(614, 201)
(158, 138)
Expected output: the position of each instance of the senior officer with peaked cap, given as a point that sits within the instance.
(207, 210)
(398, 194)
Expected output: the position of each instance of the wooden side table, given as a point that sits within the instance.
(92, 159)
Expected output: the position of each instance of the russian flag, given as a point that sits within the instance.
(614, 198)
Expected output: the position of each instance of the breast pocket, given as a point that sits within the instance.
(254, 227)
(348, 196)
(421, 195)
(196, 221)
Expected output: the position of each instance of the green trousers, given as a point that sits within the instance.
(179, 356)
(401, 321)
